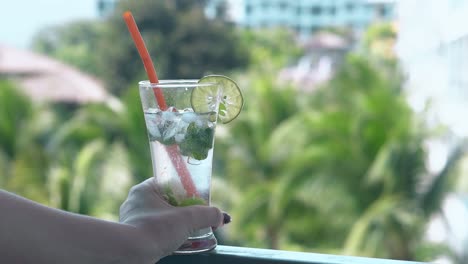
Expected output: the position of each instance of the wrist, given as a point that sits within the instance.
(136, 246)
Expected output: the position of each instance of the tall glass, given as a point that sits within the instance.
(181, 144)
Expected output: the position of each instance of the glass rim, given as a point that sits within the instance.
(186, 83)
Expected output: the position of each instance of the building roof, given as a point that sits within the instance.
(45, 79)
(326, 40)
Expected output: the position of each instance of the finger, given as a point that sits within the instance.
(151, 184)
(143, 197)
(226, 220)
(199, 216)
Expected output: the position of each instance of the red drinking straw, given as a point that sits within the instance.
(172, 150)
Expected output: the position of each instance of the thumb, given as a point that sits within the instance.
(200, 216)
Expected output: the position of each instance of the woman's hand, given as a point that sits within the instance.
(163, 227)
(149, 230)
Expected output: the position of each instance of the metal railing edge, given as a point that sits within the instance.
(243, 255)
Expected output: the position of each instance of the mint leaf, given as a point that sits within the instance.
(197, 142)
(169, 196)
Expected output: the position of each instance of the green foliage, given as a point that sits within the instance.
(22, 161)
(432, 196)
(270, 49)
(15, 110)
(342, 166)
(181, 40)
(338, 170)
(378, 43)
(135, 137)
(76, 43)
(74, 160)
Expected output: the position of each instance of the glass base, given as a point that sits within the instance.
(198, 244)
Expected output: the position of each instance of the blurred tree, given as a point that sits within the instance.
(379, 41)
(135, 137)
(75, 43)
(293, 148)
(89, 162)
(270, 49)
(77, 162)
(245, 172)
(338, 168)
(23, 162)
(250, 163)
(182, 41)
(247, 156)
(388, 167)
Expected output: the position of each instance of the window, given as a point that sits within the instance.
(350, 7)
(248, 9)
(316, 10)
(283, 5)
(298, 10)
(382, 11)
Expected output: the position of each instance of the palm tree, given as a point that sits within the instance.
(341, 166)
(22, 160)
(249, 153)
(89, 162)
(74, 159)
(244, 169)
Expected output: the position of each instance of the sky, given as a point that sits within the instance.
(20, 20)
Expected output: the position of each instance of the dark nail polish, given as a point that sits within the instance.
(226, 218)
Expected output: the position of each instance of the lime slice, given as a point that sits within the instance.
(231, 100)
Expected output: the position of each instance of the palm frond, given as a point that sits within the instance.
(431, 198)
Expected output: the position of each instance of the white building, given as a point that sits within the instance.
(433, 46)
(306, 16)
(433, 49)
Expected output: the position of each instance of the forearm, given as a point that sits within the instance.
(32, 233)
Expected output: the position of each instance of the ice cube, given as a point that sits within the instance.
(189, 117)
(168, 116)
(152, 110)
(153, 130)
(179, 137)
(199, 123)
(151, 124)
(170, 129)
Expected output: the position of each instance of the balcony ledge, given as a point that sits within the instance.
(242, 255)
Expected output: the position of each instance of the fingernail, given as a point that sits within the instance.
(226, 218)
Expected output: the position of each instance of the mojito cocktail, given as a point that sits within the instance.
(191, 135)
(181, 144)
(181, 135)
(180, 117)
